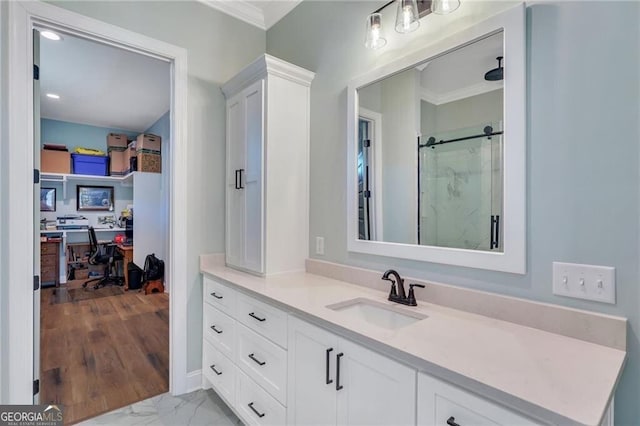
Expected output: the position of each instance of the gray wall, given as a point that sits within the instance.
(583, 180)
(4, 335)
(218, 47)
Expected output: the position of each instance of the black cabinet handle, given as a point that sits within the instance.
(213, 327)
(213, 367)
(451, 421)
(255, 411)
(256, 360)
(252, 315)
(328, 380)
(240, 186)
(216, 296)
(237, 187)
(338, 385)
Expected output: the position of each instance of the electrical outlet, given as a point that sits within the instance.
(585, 282)
(320, 245)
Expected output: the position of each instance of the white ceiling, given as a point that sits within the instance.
(260, 13)
(102, 85)
(460, 74)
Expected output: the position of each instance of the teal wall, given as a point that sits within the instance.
(583, 183)
(75, 135)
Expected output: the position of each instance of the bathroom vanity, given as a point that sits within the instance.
(302, 348)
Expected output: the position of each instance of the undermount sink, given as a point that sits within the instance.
(377, 313)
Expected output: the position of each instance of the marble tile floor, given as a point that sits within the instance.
(201, 407)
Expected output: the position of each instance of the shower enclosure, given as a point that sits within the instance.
(460, 185)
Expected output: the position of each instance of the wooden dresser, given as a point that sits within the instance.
(50, 263)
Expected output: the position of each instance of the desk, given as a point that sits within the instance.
(127, 254)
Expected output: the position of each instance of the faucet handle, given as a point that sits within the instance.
(411, 298)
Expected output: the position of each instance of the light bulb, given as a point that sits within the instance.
(407, 17)
(374, 38)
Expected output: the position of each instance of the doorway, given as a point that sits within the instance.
(17, 385)
(101, 125)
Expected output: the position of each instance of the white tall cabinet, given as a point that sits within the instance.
(267, 197)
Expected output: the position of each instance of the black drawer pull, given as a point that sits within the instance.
(216, 296)
(256, 360)
(213, 327)
(213, 367)
(328, 380)
(451, 421)
(254, 316)
(338, 385)
(259, 414)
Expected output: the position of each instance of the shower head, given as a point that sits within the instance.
(495, 74)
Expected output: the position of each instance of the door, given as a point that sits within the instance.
(235, 197)
(36, 214)
(312, 380)
(375, 390)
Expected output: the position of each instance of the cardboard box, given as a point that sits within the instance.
(117, 164)
(115, 140)
(149, 162)
(148, 143)
(55, 161)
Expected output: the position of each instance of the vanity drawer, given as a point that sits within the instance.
(439, 401)
(220, 371)
(255, 406)
(219, 329)
(219, 295)
(263, 318)
(263, 361)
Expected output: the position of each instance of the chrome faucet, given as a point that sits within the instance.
(398, 295)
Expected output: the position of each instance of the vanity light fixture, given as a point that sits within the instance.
(407, 18)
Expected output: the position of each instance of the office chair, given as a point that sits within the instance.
(103, 254)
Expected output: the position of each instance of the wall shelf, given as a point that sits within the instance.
(63, 178)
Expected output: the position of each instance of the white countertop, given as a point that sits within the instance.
(552, 377)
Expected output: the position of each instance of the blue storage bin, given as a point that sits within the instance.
(84, 164)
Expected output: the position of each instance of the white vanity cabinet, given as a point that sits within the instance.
(441, 403)
(267, 167)
(335, 381)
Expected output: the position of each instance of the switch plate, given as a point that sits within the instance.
(588, 282)
(320, 245)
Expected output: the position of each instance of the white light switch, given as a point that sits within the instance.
(585, 282)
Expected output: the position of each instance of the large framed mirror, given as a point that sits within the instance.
(436, 151)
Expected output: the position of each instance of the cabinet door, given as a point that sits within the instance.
(245, 139)
(235, 196)
(311, 385)
(376, 390)
(440, 403)
(251, 178)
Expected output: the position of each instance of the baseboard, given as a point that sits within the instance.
(194, 381)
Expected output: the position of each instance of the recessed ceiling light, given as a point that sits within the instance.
(50, 35)
(53, 96)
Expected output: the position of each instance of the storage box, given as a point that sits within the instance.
(96, 165)
(115, 140)
(55, 161)
(149, 162)
(117, 165)
(148, 143)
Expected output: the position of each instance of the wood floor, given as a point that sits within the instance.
(102, 349)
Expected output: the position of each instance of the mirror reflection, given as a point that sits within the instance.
(430, 151)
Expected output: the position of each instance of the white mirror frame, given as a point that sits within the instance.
(513, 257)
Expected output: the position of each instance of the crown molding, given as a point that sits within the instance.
(263, 66)
(463, 93)
(239, 9)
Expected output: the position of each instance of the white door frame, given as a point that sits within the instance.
(18, 355)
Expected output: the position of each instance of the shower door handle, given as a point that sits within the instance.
(495, 231)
